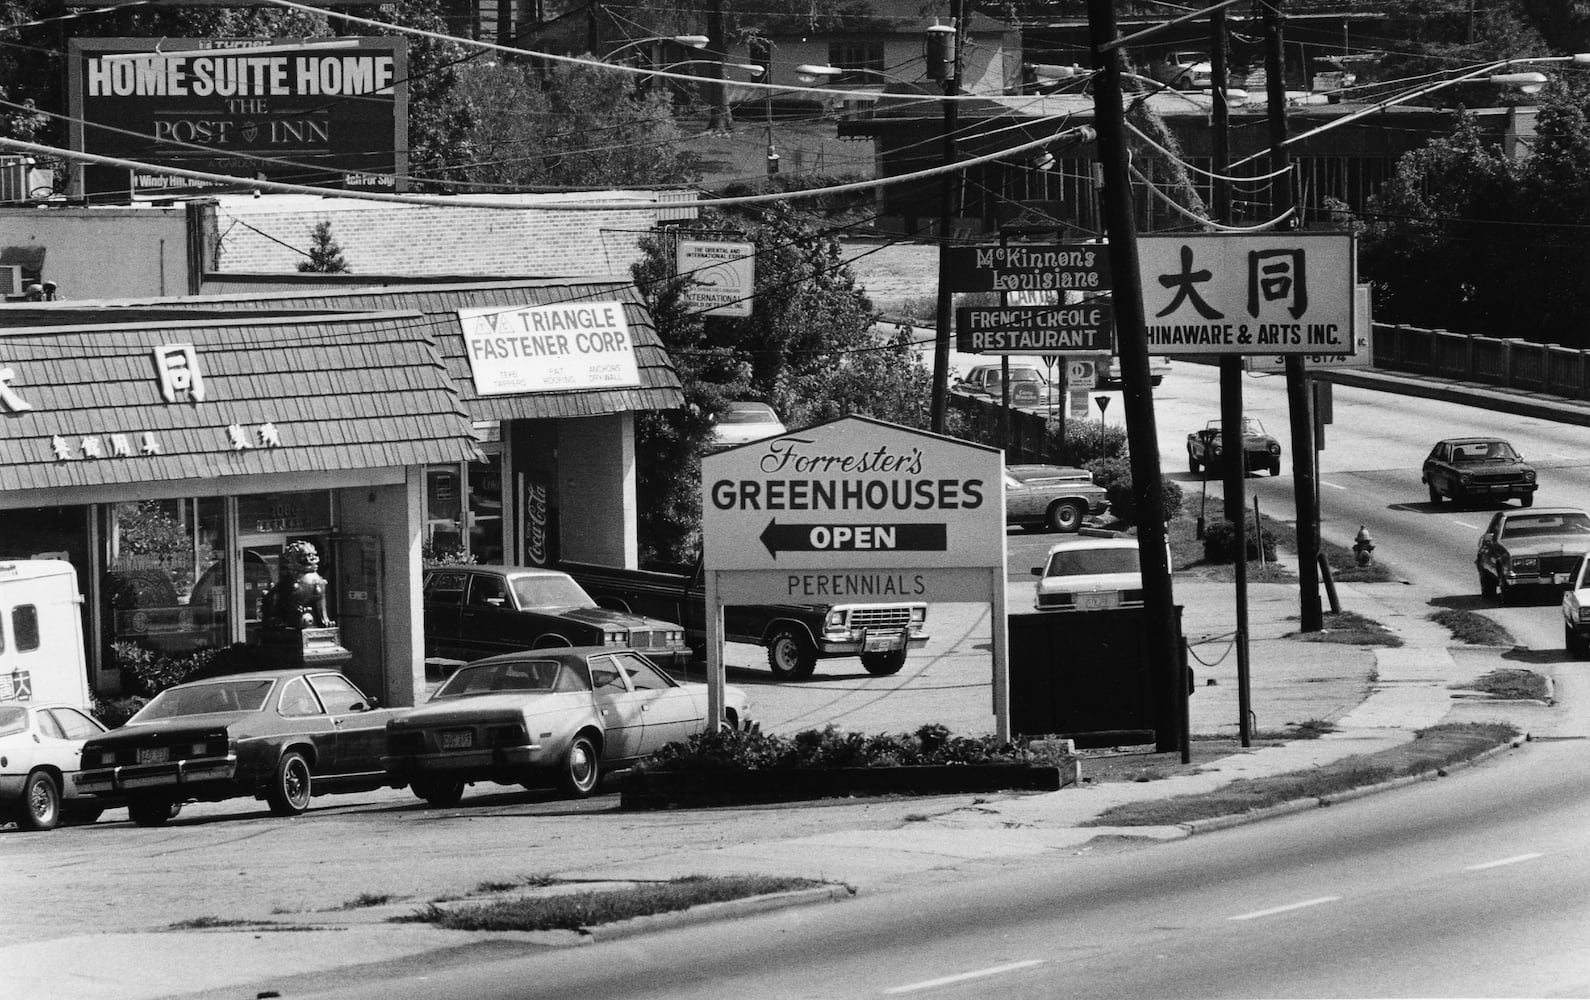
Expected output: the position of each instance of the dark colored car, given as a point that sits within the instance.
(476, 611)
(1259, 449)
(549, 716)
(1053, 497)
(1538, 547)
(1478, 468)
(278, 735)
(1027, 386)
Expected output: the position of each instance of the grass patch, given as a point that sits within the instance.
(1349, 628)
(213, 923)
(573, 911)
(1431, 750)
(367, 899)
(1472, 628)
(1510, 683)
(1187, 555)
(1344, 565)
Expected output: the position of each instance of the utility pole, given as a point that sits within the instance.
(1297, 395)
(945, 65)
(1131, 330)
(717, 45)
(1231, 443)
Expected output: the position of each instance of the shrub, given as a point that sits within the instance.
(734, 750)
(1115, 475)
(150, 672)
(115, 712)
(1088, 441)
(1220, 543)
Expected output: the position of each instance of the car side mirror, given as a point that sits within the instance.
(1037, 571)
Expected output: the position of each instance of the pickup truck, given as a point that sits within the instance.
(796, 636)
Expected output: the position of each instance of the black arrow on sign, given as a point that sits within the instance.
(854, 538)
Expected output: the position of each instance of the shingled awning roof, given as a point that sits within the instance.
(659, 388)
(87, 405)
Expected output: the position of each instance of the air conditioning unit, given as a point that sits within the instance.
(11, 285)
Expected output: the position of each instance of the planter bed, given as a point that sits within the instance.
(666, 789)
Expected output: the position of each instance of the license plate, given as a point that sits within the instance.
(881, 643)
(1099, 601)
(460, 739)
(156, 755)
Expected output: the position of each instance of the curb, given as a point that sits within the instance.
(1214, 823)
(710, 912)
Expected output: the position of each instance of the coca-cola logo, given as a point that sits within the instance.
(536, 506)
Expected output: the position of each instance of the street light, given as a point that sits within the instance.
(688, 41)
(813, 73)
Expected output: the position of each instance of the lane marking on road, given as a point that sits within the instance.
(1465, 524)
(964, 976)
(1332, 485)
(1515, 859)
(1272, 911)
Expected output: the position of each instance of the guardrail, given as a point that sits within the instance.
(1507, 363)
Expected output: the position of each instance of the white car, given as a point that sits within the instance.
(1184, 71)
(744, 422)
(41, 747)
(1090, 572)
(1576, 611)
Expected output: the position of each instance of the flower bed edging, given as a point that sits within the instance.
(643, 789)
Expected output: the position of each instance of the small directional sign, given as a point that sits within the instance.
(853, 537)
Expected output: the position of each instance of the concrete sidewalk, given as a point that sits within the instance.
(1376, 697)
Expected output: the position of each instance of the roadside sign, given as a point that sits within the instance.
(1363, 355)
(1078, 397)
(1030, 267)
(722, 276)
(855, 511)
(1080, 373)
(1248, 293)
(1055, 328)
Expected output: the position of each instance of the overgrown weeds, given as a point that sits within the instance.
(1510, 683)
(1472, 628)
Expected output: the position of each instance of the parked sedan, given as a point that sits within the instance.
(476, 611)
(1027, 386)
(1090, 573)
(1523, 548)
(546, 717)
(743, 422)
(1260, 450)
(1576, 611)
(40, 746)
(278, 735)
(1051, 496)
(1478, 468)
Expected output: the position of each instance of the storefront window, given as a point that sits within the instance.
(485, 509)
(165, 579)
(464, 506)
(265, 525)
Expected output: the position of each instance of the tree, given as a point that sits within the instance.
(809, 348)
(325, 256)
(571, 126)
(1466, 238)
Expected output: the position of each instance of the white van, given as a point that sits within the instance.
(42, 656)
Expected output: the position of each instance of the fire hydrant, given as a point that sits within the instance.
(1363, 547)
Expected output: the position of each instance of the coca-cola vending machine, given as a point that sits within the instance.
(540, 520)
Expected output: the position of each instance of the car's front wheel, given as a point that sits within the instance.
(41, 803)
(1527, 500)
(1275, 466)
(581, 771)
(291, 785)
(438, 792)
(1192, 462)
(1487, 584)
(1066, 515)
(1573, 642)
(883, 664)
(790, 656)
(1435, 494)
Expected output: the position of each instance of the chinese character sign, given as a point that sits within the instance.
(1248, 293)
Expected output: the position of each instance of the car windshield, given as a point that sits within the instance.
(202, 699)
(1484, 451)
(763, 415)
(13, 719)
(518, 676)
(1087, 562)
(550, 591)
(1533, 525)
(1250, 426)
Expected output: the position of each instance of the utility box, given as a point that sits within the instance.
(1086, 676)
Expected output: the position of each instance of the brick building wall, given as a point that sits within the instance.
(273, 233)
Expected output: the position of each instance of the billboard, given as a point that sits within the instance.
(327, 112)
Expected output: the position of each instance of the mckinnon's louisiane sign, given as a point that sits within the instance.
(1030, 267)
(329, 114)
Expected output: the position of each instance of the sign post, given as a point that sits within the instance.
(854, 510)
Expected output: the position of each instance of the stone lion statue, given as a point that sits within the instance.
(298, 598)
